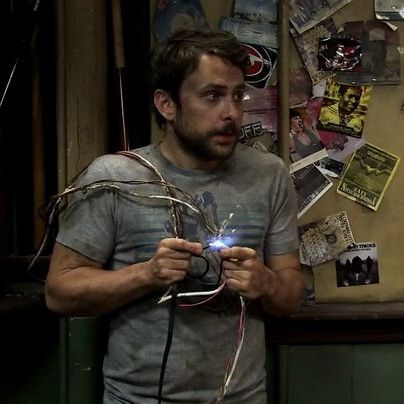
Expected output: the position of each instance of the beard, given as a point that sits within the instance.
(199, 144)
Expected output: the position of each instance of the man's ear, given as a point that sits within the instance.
(164, 104)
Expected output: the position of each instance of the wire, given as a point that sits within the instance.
(167, 297)
(170, 332)
(175, 198)
(232, 364)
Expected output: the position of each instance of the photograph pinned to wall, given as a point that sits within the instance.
(262, 66)
(344, 108)
(304, 141)
(358, 265)
(260, 117)
(329, 167)
(305, 14)
(310, 185)
(392, 10)
(250, 31)
(307, 45)
(323, 240)
(261, 11)
(171, 15)
(368, 175)
(339, 54)
(380, 48)
(338, 145)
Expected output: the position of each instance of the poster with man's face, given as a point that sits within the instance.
(344, 108)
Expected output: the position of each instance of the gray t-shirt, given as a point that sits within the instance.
(251, 197)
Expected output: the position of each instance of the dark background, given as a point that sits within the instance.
(27, 42)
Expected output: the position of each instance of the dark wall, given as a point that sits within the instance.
(27, 55)
(135, 76)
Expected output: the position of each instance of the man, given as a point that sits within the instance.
(118, 251)
(343, 116)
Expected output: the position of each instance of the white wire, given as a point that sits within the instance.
(240, 345)
(166, 297)
(236, 356)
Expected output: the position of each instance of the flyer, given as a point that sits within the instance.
(368, 175)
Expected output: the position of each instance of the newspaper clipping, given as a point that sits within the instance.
(368, 175)
(358, 265)
(251, 32)
(324, 240)
(305, 14)
(310, 185)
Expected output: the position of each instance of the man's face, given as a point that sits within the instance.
(350, 100)
(208, 119)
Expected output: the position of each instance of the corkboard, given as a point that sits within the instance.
(384, 127)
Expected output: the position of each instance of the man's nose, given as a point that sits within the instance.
(232, 109)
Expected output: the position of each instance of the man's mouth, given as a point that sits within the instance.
(227, 131)
(224, 137)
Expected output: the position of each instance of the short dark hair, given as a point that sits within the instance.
(177, 57)
(343, 88)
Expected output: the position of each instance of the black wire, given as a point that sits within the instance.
(219, 277)
(170, 331)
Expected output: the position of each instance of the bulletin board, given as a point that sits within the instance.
(384, 128)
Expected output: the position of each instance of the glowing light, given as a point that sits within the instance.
(221, 242)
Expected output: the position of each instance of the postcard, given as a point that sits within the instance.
(358, 265)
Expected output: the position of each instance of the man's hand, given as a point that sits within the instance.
(172, 261)
(245, 272)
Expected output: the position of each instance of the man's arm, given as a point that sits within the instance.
(278, 283)
(288, 283)
(79, 286)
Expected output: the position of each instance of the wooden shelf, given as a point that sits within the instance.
(344, 311)
(339, 323)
